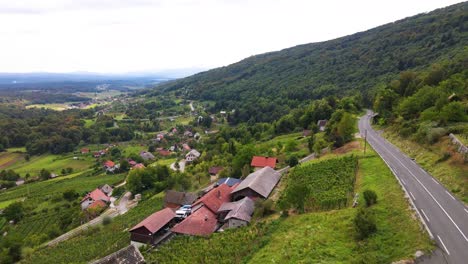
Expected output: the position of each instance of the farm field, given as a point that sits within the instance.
(320, 184)
(53, 163)
(8, 159)
(89, 245)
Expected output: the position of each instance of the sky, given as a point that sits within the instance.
(119, 36)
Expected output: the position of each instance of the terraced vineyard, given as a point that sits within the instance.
(321, 185)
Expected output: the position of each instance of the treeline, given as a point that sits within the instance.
(426, 105)
(42, 130)
(40, 97)
(265, 87)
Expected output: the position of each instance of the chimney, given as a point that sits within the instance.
(219, 194)
(206, 218)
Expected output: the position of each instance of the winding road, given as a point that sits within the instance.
(443, 215)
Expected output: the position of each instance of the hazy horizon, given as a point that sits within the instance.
(122, 37)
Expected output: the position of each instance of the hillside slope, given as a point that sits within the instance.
(266, 86)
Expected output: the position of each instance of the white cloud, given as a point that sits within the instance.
(120, 35)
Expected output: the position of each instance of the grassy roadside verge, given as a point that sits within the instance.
(440, 159)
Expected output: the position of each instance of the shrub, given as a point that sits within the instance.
(365, 223)
(14, 211)
(70, 195)
(370, 197)
(293, 161)
(106, 220)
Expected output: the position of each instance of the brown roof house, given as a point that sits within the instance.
(257, 184)
(236, 214)
(175, 199)
(153, 229)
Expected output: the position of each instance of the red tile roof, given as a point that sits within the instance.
(139, 166)
(109, 164)
(97, 194)
(216, 197)
(200, 223)
(85, 150)
(156, 221)
(97, 204)
(132, 163)
(260, 161)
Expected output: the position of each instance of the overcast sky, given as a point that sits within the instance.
(116, 36)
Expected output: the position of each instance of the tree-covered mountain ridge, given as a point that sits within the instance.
(275, 82)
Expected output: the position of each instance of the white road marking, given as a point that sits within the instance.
(466, 210)
(402, 181)
(412, 196)
(450, 195)
(425, 215)
(442, 242)
(422, 170)
(434, 180)
(449, 217)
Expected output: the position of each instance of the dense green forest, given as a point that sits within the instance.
(427, 105)
(265, 87)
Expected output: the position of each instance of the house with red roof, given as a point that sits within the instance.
(259, 162)
(164, 152)
(202, 222)
(84, 150)
(154, 228)
(215, 198)
(94, 199)
(139, 166)
(110, 166)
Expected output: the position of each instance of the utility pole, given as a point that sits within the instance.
(365, 141)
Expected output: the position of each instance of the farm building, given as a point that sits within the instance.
(146, 155)
(214, 171)
(322, 124)
(192, 155)
(228, 181)
(236, 214)
(154, 228)
(94, 199)
(106, 189)
(175, 199)
(214, 198)
(127, 255)
(259, 162)
(202, 222)
(84, 150)
(257, 184)
(110, 166)
(139, 166)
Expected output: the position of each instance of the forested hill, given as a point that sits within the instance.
(266, 86)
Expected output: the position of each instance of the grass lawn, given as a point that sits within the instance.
(451, 172)
(56, 107)
(329, 237)
(184, 120)
(20, 149)
(89, 122)
(292, 144)
(6, 203)
(53, 163)
(166, 162)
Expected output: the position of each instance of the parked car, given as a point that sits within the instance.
(184, 211)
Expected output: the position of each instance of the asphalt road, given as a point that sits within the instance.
(444, 216)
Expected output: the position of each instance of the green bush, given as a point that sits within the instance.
(106, 220)
(370, 197)
(365, 223)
